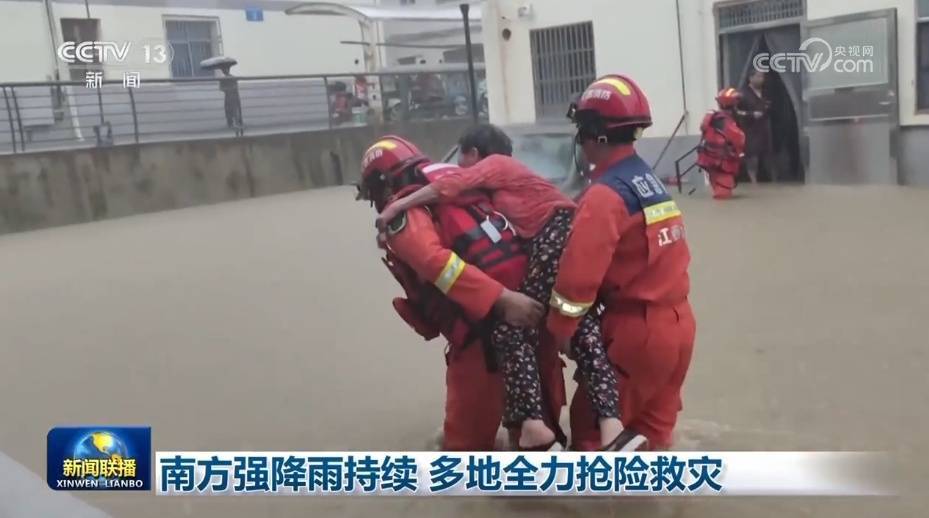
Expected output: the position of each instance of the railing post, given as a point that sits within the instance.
(135, 115)
(380, 90)
(677, 168)
(328, 100)
(9, 114)
(668, 143)
(240, 123)
(19, 121)
(99, 128)
(406, 97)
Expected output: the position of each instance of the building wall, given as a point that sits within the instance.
(640, 39)
(914, 155)
(55, 188)
(280, 44)
(28, 52)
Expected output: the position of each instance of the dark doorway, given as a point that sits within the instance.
(782, 90)
(785, 134)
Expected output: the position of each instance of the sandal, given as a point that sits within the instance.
(627, 440)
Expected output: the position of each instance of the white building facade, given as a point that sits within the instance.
(258, 33)
(127, 93)
(867, 126)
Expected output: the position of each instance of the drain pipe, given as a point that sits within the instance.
(683, 119)
(680, 54)
(53, 39)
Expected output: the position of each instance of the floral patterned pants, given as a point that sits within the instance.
(516, 347)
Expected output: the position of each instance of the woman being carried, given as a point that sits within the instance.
(542, 215)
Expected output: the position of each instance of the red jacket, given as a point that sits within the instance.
(525, 198)
(626, 247)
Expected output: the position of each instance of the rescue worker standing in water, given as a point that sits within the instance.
(541, 215)
(626, 253)
(722, 144)
(459, 265)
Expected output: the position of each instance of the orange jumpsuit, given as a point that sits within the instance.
(720, 152)
(474, 396)
(627, 251)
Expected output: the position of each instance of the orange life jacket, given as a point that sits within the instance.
(722, 144)
(482, 237)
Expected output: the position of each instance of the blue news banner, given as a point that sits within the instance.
(513, 473)
(400, 473)
(119, 458)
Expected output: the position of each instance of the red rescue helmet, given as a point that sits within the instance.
(610, 103)
(384, 164)
(728, 98)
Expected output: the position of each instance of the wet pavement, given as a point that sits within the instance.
(266, 325)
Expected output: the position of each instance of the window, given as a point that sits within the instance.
(79, 30)
(922, 56)
(192, 41)
(759, 11)
(562, 66)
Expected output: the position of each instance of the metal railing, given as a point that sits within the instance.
(679, 175)
(36, 116)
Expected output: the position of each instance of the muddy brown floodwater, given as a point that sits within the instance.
(266, 325)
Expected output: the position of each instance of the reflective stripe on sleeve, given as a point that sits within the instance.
(567, 307)
(661, 212)
(453, 268)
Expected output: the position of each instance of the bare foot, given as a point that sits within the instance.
(535, 433)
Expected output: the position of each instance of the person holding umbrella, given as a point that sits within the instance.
(229, 85)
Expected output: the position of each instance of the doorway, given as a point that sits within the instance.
(737, 51)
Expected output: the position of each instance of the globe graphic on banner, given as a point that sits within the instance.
(100, 445)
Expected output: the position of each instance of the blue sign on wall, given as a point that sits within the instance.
(254, 14)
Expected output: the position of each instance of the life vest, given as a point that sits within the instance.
(482, 237)
(722, 144)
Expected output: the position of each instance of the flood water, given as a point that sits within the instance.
(266, 325)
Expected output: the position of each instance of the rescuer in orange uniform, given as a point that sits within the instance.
(722, 144)
(428, 251)
(541, 215)
(626, 252)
